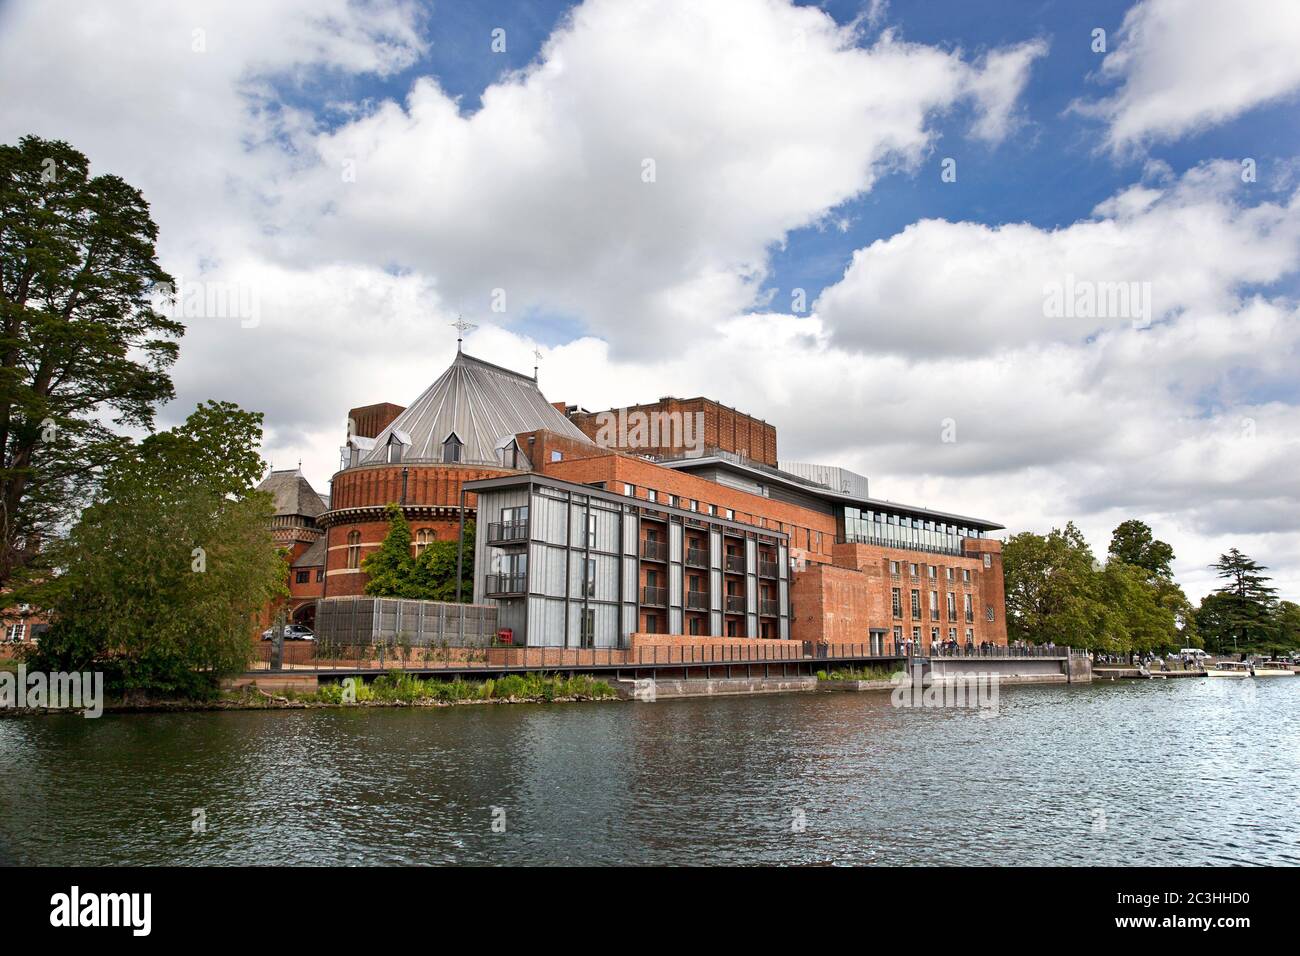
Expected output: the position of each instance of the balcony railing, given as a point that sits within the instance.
(769, 607)
(505, 585)
(654, 550)
(697, 557)
(507, 531)
(767, 569)
(735, 604)
(735, 563)
(657, 597)
(697, 600)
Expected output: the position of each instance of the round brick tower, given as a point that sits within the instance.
(462, 428)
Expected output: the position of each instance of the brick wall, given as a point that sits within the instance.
(369, 420)
(723, 427)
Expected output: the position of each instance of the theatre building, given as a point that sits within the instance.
(580, 544)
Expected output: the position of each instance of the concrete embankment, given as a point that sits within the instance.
(648, 689)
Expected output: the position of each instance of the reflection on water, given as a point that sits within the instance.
(1158, 772)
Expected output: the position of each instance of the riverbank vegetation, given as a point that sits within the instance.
(399, 687)
(1058, 592)
(857, 673)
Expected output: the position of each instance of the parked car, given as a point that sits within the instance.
(292, 632)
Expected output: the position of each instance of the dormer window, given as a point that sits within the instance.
(451, 449)
(394, 450)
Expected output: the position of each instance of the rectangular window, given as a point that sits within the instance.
(629, 490)
(695, 625)
(672, 501)
(988, 612)
(898, 633)
(916, 633)
(988, 560)
(952, 634)
(911, 568)
(651, 495)
(693, 505)
(952, 606)
(589, 580)
(557, 456)
(17, 632)
(934, 636)
(898, 602)
(303, 577)
(969, 608)
(713, 509)
(591, 530)
(320, 575)
(893, 567)
(970, 634)
(728, 514)
(916, 603)
(934, 572)
(934, 605)
(652, 623)
(948, 573)
(587, 637)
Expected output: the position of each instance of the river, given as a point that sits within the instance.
(1139, 772)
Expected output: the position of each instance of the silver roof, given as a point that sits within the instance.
(481, 404)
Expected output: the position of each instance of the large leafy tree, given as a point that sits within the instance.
(82, 347)
(435, 570)
(1133, 543)
(393, 572)
(160, 581)
(1051, 588)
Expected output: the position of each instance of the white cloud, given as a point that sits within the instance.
(1185, 65)
(963, 288)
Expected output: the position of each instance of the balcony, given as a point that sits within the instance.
(697, 557)
(653, 550)
(767, 569)
(506, 585)
(655, 597)
(507, 532)
(735, 604)
(735, 563)
(769, 607)
(697, 600)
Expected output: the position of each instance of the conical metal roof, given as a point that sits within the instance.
(292, 493)
(481, 404)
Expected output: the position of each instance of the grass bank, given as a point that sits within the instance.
(857, 673)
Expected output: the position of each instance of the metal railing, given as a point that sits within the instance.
(654, 550)
(767, 569)
(735, 562)
(998, 650)
(768, 607)
(697, 600)
(735, 604)
(655, 596)
(505, 584)
(504, 531)
(697, 557)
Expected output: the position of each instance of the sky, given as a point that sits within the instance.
(1032, 261)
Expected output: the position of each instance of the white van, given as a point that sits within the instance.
(1196, 652)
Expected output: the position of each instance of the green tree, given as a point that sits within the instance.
(1052, 592)
(81, 346)
(160, 581)
(435, 570)
(1133, 617)
(390, 569)
(1239, 616)
(1287, 620)
(1133, 543)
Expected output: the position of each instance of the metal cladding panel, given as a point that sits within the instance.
(630, 580)
(545, 622)
(751, 556)
(629, 619)
(674, 620)
(548, 519)
(715, 590)
(482, 404)
(546, 572)
(715, 623)
(783, 595)
(607, 577)
(715, 548)
(751, 625)
(631, 529)
(607, 529)
(783, 561)
(607, 630)
(396, 621)
(675, 542)
(784, 629)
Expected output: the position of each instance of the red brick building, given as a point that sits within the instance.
(584, 545)
(672, 427)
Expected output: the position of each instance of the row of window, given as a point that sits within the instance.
(423, 538)
(934, 634)
(968, 605)
(931, 571)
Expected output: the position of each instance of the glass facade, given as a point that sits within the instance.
(895, 530)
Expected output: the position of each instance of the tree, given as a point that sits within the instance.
(1132, 543)
(81, 346)
(1051, 588)
(1134, 618)
(160, 581)
(435, 570)
(1241, 614)
(390, 570)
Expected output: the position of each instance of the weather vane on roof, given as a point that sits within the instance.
(461, 327)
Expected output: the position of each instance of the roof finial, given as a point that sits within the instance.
(461, 327)
(537, 357)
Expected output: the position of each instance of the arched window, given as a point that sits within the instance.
(451, 449)
(354, 549)
(423, 538)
